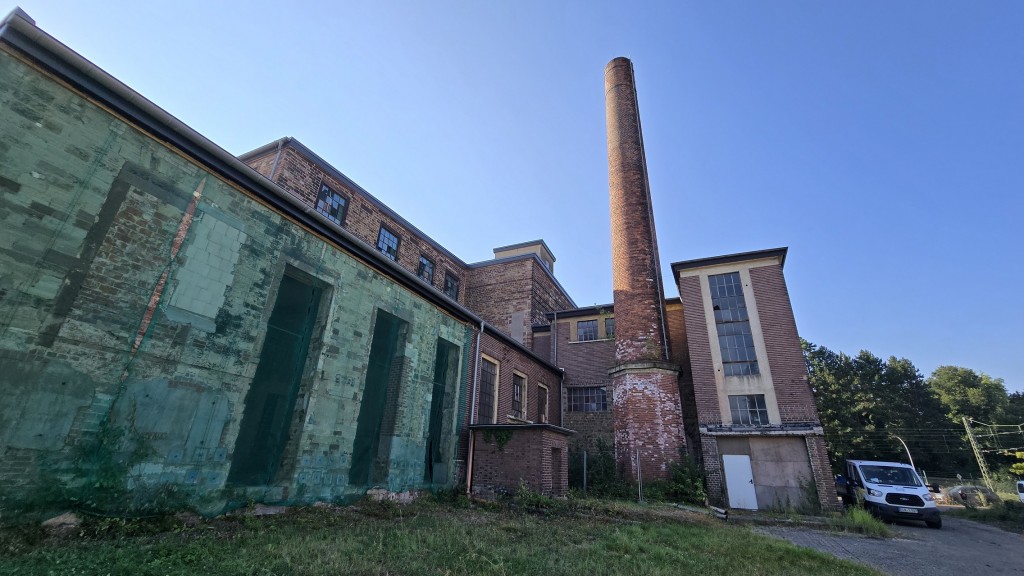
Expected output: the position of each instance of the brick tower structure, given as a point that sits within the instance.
(648, 422)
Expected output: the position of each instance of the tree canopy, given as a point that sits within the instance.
(867, 405)
(965, 392)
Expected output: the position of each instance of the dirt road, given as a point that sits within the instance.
(960, 548)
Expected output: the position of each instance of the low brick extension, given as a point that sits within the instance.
(509, 456)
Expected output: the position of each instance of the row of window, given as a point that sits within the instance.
(487, 405)
(586, 330)
(747, 409)
(334, 206)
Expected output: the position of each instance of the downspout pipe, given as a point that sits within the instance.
(277, 158)
(472, 409)
(561, 398)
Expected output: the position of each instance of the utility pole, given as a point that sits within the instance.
(978, 455)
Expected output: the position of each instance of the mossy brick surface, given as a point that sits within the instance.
(89, 211)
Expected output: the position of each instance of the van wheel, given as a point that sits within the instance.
(936, 524)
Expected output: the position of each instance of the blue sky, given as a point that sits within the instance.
(880, 141)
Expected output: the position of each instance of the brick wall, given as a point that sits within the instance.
(822, 470)
(514, 294)
(264, 163)
(782, 344)
(680, 356)
(541, 344)
(499, 291)
(302, 177)
(512, 359)
(714, 480)
(548, 296)
(586, 364)
(702, 368)
(535, 455)
(648, 421)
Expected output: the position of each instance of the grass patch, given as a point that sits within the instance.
(424, 538)
(1007, 515)
(860, 521)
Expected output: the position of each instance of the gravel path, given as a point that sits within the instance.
(960, 548)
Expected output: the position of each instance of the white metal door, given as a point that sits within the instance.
(739, 481)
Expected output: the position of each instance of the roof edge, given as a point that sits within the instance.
(289, 141)
(534, 256)
(731, 258)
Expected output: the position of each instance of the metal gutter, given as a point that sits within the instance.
(552, 427)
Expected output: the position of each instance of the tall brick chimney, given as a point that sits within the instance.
(636, 269)
(645, 386)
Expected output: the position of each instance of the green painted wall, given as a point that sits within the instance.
(89, 212)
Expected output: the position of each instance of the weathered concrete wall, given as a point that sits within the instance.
(137, 286)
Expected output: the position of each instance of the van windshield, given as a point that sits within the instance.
(890, 475)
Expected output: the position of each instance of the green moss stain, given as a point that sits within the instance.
(89, 211)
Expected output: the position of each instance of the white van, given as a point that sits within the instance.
(891, 490)
(1020, 489)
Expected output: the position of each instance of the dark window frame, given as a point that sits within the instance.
(383, 244)
(732, 324)
(426, 264)
(748, 409)
(609, 322)
(332, 204)
(587, 399)
(451, 281)
(589, 333)
(488, 391)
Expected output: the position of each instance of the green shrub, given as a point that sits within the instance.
(859, 520)
(685, 483)
(603, 479)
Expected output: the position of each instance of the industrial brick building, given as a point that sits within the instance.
(269, 330)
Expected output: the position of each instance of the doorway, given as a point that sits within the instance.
(270, 403)
(739, 481)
